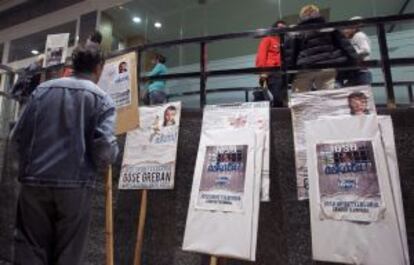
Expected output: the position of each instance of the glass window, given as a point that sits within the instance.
(27, 46)
(87, 25)
(151, 21)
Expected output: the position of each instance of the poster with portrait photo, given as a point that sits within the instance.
(150, 151)
(316, 104)
(56, 49)
(223, 178)
(373, 236)
(119, 80)
(255, 115)
(348, 181)
(115, 80)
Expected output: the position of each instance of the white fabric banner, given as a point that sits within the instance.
(150, 151)
(225, 224)
(356, 206)
(313, 105)
(255, 115)
(56, 49)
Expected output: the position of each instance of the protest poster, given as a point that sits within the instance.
(223, 178)
(223, 230)
(313, 105)
(255, 115)
(119, 80)
(151, 150)
(56, 49)
(348, 181)
(365, 233)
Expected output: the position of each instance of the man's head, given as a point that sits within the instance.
(309, 11)
(279, 24)
(358, 103)
(89, 60)
(350, 32)
(96, 37)
(123, 67)
(161, 59)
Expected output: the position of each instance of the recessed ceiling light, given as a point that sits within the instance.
(136, 19)
(35, 52)
(157, 25)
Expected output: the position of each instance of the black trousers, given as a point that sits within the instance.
(275, 85)
(52, 225)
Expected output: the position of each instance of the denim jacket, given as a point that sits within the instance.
(65, 135)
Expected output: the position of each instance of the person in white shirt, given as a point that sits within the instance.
(362, 46)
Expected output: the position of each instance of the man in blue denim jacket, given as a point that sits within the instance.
(65, 140)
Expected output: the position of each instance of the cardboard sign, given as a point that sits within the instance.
(313, 105)
(354, 196)
(119, 80)
(151, 150)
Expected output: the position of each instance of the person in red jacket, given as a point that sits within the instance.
(268, 55)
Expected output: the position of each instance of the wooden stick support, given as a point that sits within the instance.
(141, 226)
(109, 233)
(213, 260)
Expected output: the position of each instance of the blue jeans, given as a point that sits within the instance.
(157, 97)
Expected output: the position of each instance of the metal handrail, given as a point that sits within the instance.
(6, 68)
(4, 94)
(408, 84)
(259, 70)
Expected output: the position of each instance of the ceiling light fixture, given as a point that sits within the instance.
(158, 25)
(136, 19)
(35, 52)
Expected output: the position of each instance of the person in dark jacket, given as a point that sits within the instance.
(29, 79)
(65, 140)
(319, 47)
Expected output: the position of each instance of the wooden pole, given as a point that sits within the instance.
(109, 233)
(141, 226)
(213, 260)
